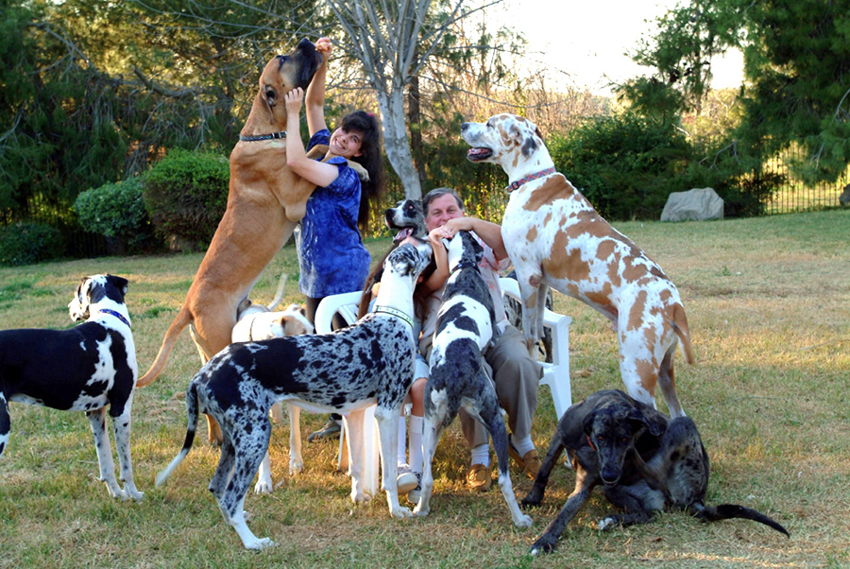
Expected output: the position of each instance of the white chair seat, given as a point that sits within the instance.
(556, 375)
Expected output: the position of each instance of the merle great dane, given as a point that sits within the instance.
(457, 377)
(344, 371)
(645, 462)
(85, 368)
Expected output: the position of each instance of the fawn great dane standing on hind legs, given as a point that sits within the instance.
(265, 202)
(556, 239)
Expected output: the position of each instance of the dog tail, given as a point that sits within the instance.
(680, 326)
(729, 511)
(184, 317)
(278, 296)
(192, 415)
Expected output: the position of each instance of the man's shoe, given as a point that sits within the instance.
(478, 478)
(530, 463)
(331, 429)
(407, 480)
(413, 495)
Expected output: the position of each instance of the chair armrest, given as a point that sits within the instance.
(550, 319)
(346, 304)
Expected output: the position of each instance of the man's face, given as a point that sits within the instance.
(440, 210)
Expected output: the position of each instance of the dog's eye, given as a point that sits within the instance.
(625, 439)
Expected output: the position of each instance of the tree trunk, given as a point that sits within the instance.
(396, 141)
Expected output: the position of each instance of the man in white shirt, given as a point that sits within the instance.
(515, 374)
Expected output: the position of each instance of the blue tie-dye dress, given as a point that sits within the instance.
(331, 254)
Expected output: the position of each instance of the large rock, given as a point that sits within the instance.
(698, 204)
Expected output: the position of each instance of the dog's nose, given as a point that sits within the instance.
(610, 475)
(464, 126)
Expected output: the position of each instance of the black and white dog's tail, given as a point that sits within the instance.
(728, 511)
(192, 414)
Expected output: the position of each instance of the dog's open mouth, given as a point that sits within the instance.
(479, 153)
(403, 234)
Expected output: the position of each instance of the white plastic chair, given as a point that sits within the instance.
(556, 374)
(348, 305)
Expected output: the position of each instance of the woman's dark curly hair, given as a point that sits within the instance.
(370, 158)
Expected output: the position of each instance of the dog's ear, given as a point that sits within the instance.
(269, 94)
(587, 424)
(640, 422)
(120, 283)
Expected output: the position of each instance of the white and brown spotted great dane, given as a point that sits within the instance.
(555, 238)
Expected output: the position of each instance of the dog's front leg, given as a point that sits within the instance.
(121, 429)
(532, 311)
(535, 496)
(354, 427)
(97, 419)
(547, 542)
(388, 428)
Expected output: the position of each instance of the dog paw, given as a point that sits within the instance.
(261, 543)
(360, 497)
(529, 502)
(545, 544)
(295, 466)
(606, 523)
(263, 487)
(523, 521)
(421, 512)
(400, 513)
(134, 494)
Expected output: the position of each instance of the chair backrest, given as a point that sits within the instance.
(347, 304)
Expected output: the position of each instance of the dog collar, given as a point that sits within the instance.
(529, 178)
(116, 315)
(273, 136)
(464, 265)
(394, 312)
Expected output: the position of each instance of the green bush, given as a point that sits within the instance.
(117, 211)
(30, 243)
(624, 165)
(185, 194)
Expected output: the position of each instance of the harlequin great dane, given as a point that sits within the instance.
(344, 371)
(265, 201)
(257, 322)
(465, 327)
(556, 239)
(645, 463)
(84, 368)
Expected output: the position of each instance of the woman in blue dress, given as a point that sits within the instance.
(331, 254)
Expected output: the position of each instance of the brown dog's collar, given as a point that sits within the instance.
(273, 136)
(529, 178)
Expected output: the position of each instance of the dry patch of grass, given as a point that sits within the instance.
(768, 303)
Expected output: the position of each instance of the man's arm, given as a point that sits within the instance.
(489, 232)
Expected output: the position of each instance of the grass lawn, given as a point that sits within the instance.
(768, 302)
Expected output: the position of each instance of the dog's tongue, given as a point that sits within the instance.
(403, 234)
(477, 151)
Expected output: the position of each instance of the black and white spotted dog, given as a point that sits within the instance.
(408, 218)
(465, 327)
(345, 371)
(84, 368)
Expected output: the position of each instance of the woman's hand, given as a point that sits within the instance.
(293, 101)
(324, 46)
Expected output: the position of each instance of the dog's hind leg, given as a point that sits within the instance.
(495, 423)
(354, 426)
(639, 502)
(121, 429)
(97, 420)
(667, 382)
(5, 423)
(432, 429)
(248, 456)
(296, 463)
(387, 419)
(535, 496)
(223, 471)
